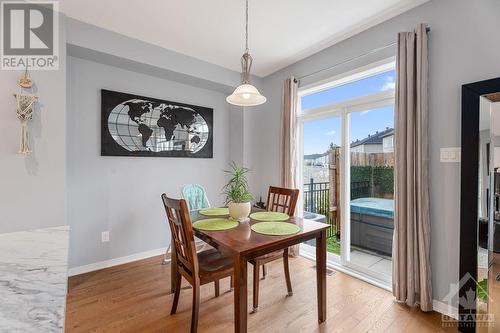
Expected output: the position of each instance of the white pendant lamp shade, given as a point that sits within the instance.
(246, 95)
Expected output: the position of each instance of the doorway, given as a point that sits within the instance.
(346, 168)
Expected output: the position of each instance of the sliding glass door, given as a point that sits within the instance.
(346, 134)
(370, 166)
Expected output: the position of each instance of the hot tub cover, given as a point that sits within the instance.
(373, 206)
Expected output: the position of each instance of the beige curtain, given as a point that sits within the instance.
(288, 151)
(411, 248)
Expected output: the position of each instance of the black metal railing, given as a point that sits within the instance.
(317, 199)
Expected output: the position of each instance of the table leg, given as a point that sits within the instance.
(321, 275)
(240, 294)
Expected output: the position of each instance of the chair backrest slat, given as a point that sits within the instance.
(282, 200)
(182, 233)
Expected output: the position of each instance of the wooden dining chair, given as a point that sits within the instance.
(197, 268)
(196, 198)
(281, 200)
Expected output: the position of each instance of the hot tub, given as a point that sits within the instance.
(315, 217)
(372, 224)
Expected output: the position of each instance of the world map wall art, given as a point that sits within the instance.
(134, 125)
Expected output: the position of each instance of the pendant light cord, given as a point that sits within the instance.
(246, 28)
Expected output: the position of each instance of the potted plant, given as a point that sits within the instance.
(238, 196)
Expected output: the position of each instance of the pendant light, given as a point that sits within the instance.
(246, 94)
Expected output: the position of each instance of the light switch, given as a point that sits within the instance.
(450, 155)
(105, 236)
(444, 155)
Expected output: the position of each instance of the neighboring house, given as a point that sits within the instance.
(316, 159)
(374, 143)
(388, 142)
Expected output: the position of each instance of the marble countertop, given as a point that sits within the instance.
(33, 280)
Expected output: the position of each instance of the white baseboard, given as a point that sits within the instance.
(116, 261)
(446, 309)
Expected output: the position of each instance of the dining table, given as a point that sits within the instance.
(244, 244)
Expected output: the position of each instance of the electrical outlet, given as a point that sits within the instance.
(105, 236)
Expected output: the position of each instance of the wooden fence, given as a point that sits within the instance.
(372, 159)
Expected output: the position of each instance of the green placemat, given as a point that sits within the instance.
(275, 228)
(215, 211)
(215, 224)
(269, 216)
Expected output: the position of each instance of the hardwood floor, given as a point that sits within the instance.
(136, 297)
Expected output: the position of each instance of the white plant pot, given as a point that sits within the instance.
(240, 210)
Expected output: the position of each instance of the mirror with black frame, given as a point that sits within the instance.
(488, 204)
(479, 294)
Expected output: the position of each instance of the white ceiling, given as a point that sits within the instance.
(281, 31)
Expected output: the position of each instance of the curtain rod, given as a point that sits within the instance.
(352, 59)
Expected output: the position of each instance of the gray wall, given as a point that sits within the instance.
(122, 194)
(32, 187)
(461, 51)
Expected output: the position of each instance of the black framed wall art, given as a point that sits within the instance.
(133, 125)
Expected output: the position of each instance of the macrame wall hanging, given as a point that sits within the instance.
(25, 106)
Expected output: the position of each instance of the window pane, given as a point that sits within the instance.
(371, 137)
(321, 168)
(373, 84)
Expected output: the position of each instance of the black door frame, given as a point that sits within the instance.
(469, 178)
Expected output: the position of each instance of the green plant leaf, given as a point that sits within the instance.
(482, 291)
(237, 189)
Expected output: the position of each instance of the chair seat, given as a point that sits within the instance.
(214, 263)
(265, 258)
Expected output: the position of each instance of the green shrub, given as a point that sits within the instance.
(361, 173)
(383, 179)
(379, 177)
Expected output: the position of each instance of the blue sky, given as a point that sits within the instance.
(319, 133)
